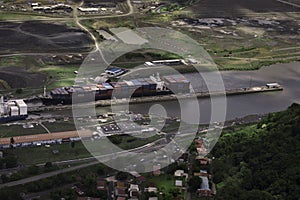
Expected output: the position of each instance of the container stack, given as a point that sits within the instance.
(60, 93)
(138, 88)
(177, 83)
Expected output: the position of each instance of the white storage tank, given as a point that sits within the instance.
(14, 111)
(22, 107)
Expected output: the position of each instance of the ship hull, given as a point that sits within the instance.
(12, 118)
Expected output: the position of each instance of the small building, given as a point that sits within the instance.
(134, 191)
(273, 85)
(151, 189)
(140, 179)
(168, 62)
(183, 157)
(156, 170)
(81, 9)
(199, 143)
(120, 192)
(203, 160)
(121, 184)
(178, 183)
(202, 173)
(179, 173)
(153, 198)
(87, 198)
(204, 189)
(34, 4)
(192, 61)
(101, 185)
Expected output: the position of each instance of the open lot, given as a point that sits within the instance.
(239, 35)
(17, 77)
(42, 37)
(229, 8)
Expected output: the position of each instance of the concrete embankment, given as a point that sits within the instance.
(158, 98)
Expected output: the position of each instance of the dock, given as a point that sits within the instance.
(173, 97)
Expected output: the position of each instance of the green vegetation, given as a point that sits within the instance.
(18, 130)
(260, 161)
(130, 142)
(43, 154)
(163, 183)
(86, 176)
(59, 76)
(14, 16)
(4, 84)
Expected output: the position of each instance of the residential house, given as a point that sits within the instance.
(101, 185)
(134, 191)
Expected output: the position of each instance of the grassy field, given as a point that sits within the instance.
(66, 152)
(15, 16)
(59, 76)
(18, 130)
(37, 155)
(130, 142)
(164, 183)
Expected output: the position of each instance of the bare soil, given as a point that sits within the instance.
(42, 37)
(17, 77)
(227, 8)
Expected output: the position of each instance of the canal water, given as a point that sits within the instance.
(288, 75)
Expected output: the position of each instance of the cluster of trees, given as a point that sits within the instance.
(86, 177)
(8, 161)
(260, 161)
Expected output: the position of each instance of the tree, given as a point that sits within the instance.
(19, 91)
(48, 165)
(115, 139)
(122, 176)
(12, 140)
(33, 170)
(100, 170)
(194, 183)
(10, 161)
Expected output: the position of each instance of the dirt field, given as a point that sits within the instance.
(17, 77)
(227, 8)
(42, 37)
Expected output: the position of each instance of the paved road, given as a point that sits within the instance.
(46, 175)
(289, 3)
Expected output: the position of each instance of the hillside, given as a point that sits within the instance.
(261, 161)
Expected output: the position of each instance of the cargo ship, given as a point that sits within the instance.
(154, 88)
(141, 87)
(12, 110)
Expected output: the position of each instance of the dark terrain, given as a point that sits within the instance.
(229, 8)
(41, 37)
